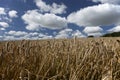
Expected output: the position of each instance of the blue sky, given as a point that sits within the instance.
(43, 19)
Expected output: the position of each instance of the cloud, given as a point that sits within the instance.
(92, 29)
(114, 29)
(65, 33)
(36, 20)
(1, 37)
(108, 1)
(69, 33)
(6, 17)
(95, 34)
(8, 38)
(77, 33)
(4, 24)
(2, 11)
(12, 14)
(54, 8)
(2, 29)
(19, 35)
(16, 33)
(95, 31)
(98, 15)
(3, 19)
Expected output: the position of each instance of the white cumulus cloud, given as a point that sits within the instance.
(69, 33)
(98, 15)
(54, 8)
(77, 33)
(4, 24)
(94, 31)
(2, 29)
(19, 35)
(115, 29)
(2, 11)
(12, 14)
(16, 33)
(6, 16)
(36, 20)
(65, 33)
(95, 34)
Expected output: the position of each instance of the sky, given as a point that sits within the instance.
(48, 19)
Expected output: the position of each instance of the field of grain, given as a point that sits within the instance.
(62, 59)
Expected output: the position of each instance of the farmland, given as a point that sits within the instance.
(61, 59)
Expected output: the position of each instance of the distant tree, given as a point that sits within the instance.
(91, 36)
(114, 34)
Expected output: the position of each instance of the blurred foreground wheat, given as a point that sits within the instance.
(65, 59)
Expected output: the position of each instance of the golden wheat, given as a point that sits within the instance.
(62, 59)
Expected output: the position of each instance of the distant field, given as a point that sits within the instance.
(62, 59)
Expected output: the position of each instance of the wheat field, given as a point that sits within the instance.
(60, 59)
